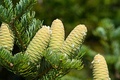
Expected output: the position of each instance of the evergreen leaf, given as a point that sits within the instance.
(6, 58)
(9, 7)
(46, 66)
(23, 66)
(23, 6)
(6, 13)
(27, 27)
(8, 3)
(3, 14)
(53, 74)
(61, 60)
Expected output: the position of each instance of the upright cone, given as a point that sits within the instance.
(38, 44)
(57, 35)
(74, 40)
(6, 37)
(100, 70)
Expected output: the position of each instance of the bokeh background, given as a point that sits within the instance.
(102, 19)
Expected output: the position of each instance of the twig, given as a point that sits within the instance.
(15, 30)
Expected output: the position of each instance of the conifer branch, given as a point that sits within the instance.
(5, 58)
(46, 52)
(45, 71)
(17, 34)
(12, 23)
(22, 6)
(6, 61)
(3, 13)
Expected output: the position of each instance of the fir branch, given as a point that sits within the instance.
(26, 25)
(22, 66)
(18, 35)
(60, 74)
(6, 58)
(8, 3)
(48, 72)
(21, 8)
(9, 7)
(3, 14)
(45, 71)
(51, 74)
(6, 13)
(61, 60)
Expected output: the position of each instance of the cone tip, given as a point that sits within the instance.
(82, 26)
(57, 20)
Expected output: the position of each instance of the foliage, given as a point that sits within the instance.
(93, 14)
(102, 18)
(42, 53)
(110, 40)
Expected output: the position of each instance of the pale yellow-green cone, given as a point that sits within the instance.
(100, 69)
(38, 44)
(57, 35)
(6, 37)
(74, 40)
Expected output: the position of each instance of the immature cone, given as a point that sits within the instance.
(57, 36)
(100, 70)
(74, 40)
(38, 44)
(6, 37)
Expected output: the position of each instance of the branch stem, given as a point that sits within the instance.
(15, 31)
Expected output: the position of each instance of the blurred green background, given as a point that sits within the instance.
(102, 19)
